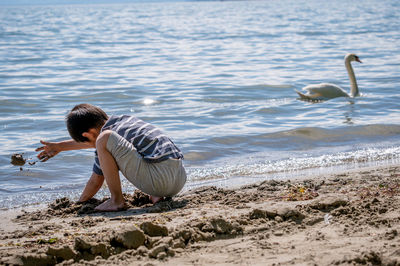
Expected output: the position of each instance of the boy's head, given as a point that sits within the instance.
(82, 118)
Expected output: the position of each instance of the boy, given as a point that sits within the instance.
(145, 156)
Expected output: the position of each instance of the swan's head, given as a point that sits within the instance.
(352, 57)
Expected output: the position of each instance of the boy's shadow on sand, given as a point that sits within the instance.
(138, 203)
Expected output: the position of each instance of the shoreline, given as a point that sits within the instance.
(231, 182)
(344, 218)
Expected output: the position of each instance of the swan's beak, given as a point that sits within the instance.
(358, 59)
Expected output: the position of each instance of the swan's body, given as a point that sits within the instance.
(324, 91)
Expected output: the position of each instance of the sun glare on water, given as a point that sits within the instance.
(148, 101)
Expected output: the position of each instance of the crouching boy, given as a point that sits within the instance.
(145, 156)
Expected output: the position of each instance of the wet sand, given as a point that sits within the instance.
(343, 219)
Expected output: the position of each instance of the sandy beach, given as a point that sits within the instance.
(340, 219)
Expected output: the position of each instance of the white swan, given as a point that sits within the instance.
(324, 91)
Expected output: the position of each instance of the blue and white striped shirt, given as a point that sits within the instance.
(148, 140)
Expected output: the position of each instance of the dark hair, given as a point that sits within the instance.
(82, 118)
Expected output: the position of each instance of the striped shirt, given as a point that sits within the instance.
(148, 140)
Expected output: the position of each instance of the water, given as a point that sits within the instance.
(218, 77)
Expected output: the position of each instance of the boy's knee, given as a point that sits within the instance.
(102, 139)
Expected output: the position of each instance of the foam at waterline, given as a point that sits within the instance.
(268, 167)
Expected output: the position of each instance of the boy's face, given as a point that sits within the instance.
(91, 135)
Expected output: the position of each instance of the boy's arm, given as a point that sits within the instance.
(92, 186)
(51, 149)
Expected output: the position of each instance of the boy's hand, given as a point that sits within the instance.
(50, 149)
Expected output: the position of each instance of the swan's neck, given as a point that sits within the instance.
(353, 82)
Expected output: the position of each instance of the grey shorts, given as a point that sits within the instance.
(160, 179)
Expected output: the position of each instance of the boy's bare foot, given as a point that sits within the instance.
(110, 206)
(155, 199)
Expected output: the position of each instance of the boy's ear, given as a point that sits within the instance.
(86, 135)
(91, 134)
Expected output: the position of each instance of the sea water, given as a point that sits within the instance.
(218, 77)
